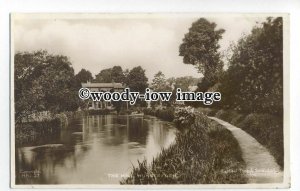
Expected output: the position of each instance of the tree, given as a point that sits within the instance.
(114, 74)
(185, 82)
(82, 77)
(43, 82)
(159, 83)
(200, 48)
(117, 74)
(254, 79)
(137, 80)
(104, 76)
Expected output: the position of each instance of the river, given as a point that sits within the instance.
(99, 149)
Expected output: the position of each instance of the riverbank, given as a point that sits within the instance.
(33, 131)
(203, 153)
(265, 128)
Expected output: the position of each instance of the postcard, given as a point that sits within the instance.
(174, 100)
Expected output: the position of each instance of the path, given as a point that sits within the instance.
(261, 166)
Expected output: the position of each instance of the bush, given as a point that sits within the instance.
(184, 117)
(25, 132)
(230, 116)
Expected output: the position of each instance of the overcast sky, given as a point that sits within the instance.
(98, 43)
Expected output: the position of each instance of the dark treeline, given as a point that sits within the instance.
(46, 82)
(253, 81)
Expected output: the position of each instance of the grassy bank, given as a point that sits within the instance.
(265, 128)
(203, 153)
(28, 132)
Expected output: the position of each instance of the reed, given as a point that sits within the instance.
(205, 153)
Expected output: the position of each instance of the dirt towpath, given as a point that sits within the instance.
(261, 166)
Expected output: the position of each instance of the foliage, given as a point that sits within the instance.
(137, 80)
(82, 77)
(114, 74)
(254, 79)
(43, 82)
(117, 74)
(160, 84)
(200, 48)
(184, 117)
(265, 128)
(219, 161)
(28, 131)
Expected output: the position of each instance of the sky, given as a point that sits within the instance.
(97, 42)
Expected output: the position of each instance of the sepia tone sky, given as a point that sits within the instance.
(100, 43)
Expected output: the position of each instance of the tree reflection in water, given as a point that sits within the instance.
(92, 149)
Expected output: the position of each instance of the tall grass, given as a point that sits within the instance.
(28, 131)
(205, 153)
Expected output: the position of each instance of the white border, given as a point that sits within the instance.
(286, 23)
(288, 6)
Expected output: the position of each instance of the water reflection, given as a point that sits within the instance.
(97, 149)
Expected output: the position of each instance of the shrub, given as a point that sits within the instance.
(26, 132)
(184, 117)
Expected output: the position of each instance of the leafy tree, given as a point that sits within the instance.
(42, 82)
(114, 74)
(159, 83)
(117, 74)
(82, 77)
(200, 48)
(137, 80)
(185, 82)
(104, 76)
(254, 79)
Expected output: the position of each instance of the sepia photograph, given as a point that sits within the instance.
(175, 100)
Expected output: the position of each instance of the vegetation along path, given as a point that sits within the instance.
(261, 166)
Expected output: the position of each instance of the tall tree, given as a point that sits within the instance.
(200, 48)
(137, 80)
(117, 74)
(82, 77)
(254, 79)
(114, 74)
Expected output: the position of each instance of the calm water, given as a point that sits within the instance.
(95, 150)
